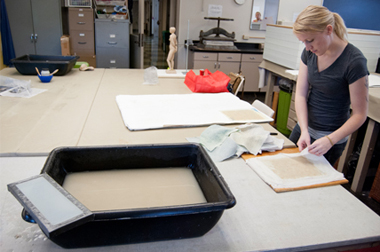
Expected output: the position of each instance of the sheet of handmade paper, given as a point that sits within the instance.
(294, 170)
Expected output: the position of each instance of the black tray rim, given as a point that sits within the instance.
(65, 60)
(159, 211)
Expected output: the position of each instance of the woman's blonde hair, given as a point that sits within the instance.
(315, 19)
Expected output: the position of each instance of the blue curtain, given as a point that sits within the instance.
(6, 36)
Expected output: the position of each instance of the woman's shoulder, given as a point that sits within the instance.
(306, 55)
(353, 51)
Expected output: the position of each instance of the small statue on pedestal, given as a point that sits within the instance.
(172, 51)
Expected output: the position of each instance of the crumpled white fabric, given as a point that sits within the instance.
(251, 136)
(222, 142)
(227, 149)
(215, 135)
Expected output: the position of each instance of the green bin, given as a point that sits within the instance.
(284, 99)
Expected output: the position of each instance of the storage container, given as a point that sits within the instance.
(284, 99)
(27, 64)
(99, 228)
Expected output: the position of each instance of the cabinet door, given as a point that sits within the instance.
(251, 72)
(227, 67)
(47, 22)
(20, 21)
(250, 69)
(204, 64)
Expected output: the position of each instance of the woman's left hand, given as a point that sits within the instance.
(320, 146)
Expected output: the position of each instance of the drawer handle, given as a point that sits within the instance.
(205, 57)
(215, 65)
(81, 23)
(229, 58)
(82, 43)
(252, 58)
(112, 43)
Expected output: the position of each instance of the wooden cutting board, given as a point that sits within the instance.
(293, 150)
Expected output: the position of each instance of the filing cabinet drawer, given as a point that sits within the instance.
(229, 57)
(82, 40)
(205, 56)
(252, 57)
(112, 34)
(112, 57)
(81, 19)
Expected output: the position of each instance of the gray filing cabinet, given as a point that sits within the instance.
(36, 26)
(112, 43)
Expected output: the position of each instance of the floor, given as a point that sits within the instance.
(154, 55)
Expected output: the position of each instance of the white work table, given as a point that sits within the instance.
(79, 109)
(262, 219)
(53, 118)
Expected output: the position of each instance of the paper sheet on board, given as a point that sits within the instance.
(292, 171)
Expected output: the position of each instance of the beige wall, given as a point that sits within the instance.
(196, 10)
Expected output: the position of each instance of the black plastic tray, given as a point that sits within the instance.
(27, 64)
(148, 224)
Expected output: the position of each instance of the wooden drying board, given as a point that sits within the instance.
(293, 150)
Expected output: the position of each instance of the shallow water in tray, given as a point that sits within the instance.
(134, 188)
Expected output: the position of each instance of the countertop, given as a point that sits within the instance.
(241, 48)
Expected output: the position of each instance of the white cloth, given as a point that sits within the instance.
(142, 112)
(251, 136)
(222, 143)
(215, 135)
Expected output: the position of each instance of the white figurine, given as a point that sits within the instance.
(172, 50)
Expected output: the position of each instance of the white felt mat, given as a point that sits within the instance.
(142, 112)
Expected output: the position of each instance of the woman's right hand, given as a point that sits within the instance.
(304, 141)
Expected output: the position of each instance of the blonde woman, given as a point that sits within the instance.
(172, 48)
(333, 77)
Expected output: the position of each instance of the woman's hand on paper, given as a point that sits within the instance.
(304, 141)
(320, 146)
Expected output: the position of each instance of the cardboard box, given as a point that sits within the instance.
(65, 45)
(90, 59)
